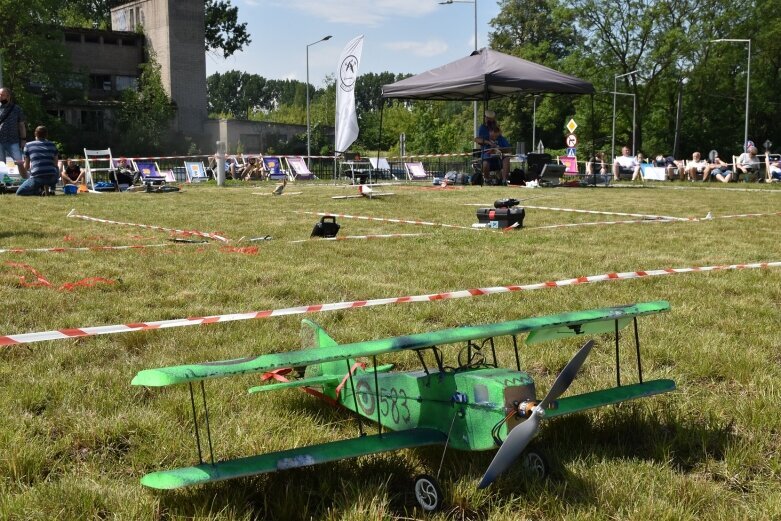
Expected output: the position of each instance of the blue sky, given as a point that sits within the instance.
(401, 36)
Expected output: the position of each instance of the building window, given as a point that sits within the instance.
(126, 82)
(92, 120)
(100, 82)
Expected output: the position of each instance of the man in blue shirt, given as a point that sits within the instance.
(13, 132)
(40, 159)
(493, 147)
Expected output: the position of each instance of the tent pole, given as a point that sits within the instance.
(379, 137)
(592, 152)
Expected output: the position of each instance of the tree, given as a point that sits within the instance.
(223, 31)
(238, 94)
(144, 120)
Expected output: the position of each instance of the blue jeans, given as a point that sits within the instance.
(35, 185)
(11, 150)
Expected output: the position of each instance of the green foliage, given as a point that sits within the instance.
(224, 33)
(144, 120)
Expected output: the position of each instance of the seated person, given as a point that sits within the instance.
(717, 169)
(123, 174)
(638, 173)
(747, 163)
(489, 148)
(672, 167)
(774, 168)
(71, 173)
(254, 169)
(696, 166)
(625, 164)
(596, 165)
(493, 155)
(231, 168)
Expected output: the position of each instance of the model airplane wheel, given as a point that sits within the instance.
(534, 464)
(428, 493)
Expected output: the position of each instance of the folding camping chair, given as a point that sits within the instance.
(273, 168)
(381, 167)
(91, 157)
(297, 169)
(196, 172)
(150, 173)
(415, 171)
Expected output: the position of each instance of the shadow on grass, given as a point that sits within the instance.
(383, 483)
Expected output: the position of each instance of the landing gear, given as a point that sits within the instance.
(535, 464)
(428, 493)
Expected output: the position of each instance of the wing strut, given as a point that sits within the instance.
(355, 397)
(517, 356)
(637, 348)
(195, 424)
(377, 399)
(618, 368)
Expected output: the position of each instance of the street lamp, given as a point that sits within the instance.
(748, 78)
(613, 143)
(308, 129)
(448, 2)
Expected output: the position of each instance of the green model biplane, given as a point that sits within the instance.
(474, 405)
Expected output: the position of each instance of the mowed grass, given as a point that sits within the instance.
(75, 436)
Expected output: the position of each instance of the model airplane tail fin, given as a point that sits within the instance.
(313, 337)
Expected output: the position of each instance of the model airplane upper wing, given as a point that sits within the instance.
(542, 328)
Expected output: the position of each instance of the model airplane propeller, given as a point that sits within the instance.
(520, 436)
(470, 404)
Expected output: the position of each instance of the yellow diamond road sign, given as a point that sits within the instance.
(571, 126)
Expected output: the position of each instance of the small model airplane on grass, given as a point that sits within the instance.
(469, 403)
(363, 191)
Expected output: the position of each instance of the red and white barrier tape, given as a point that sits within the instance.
(642, 216)
(61, 334)
(457, 154)
(599, 223)
(382, 219)
(350, 237)
(214, 236)
(42, 281)
(85, 248)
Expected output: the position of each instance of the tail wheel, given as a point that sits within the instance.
(428, 493)
(535, 464)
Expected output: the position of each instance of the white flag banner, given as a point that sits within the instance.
(346, 76)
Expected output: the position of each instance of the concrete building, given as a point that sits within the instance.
(174, 30)
(104, 63)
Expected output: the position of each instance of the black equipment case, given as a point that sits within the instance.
(326, 228)
(504, 217)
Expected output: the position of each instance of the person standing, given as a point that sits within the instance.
(40, 159)
(13, 132)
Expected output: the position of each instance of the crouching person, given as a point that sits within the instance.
(40, 160)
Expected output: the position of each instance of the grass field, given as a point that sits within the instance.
(75, 436)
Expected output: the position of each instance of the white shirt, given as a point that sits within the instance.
(626, 162)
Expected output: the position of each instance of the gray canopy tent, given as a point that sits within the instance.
(483, 75)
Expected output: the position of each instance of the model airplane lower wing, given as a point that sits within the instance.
(293, 458)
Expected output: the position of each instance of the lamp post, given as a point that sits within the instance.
(748, 79)
(448, 2)
(308, 129)
(613, 142)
